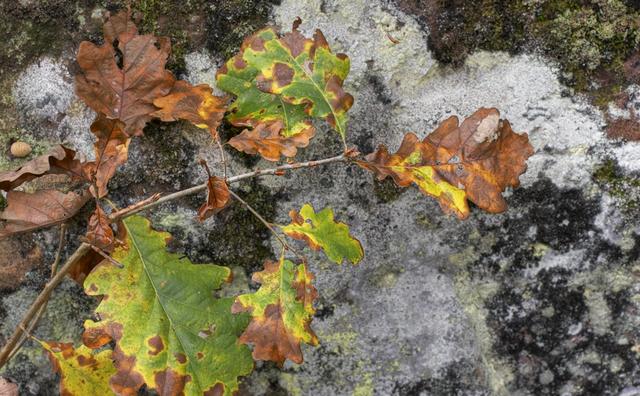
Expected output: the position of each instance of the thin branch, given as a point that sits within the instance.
(224, 156)
(232, 179)
(107, 257)
(42, 298)
(284, 243)
(36, 318)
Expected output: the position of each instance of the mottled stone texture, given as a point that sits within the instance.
(540, 300)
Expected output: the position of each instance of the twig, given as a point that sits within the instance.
(42, 298)
(153, 201)
(284, 243)
(36, 318)
(232, 179)
(224, 157)
(107, 257)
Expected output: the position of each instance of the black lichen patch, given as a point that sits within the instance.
(456, 379)
(229, 22)
(545, 331)
(547, 218)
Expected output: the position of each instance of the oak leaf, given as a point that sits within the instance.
(60, 160)
(268, 141)
(170, 331)
(217, 197)
(196, 104)
(8, 388)
(112, 150)
(473, 161)
(321, 231)
(28, 212)
(82, 371)
(125, 93)
(99, 232)
(281, 312)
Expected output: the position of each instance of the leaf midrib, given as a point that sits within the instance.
(171, 324)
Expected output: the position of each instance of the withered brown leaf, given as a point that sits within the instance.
(27, 212)
(99, 232)
(476, 160)
(125, 93)
(267, 140)
(196, 104)
(217, 198)
(112, 149)
(60, 160)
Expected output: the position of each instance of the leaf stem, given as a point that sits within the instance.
(284, 243)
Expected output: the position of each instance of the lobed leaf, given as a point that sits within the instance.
(320, 230)
(473, 161)
(112, 150)
(284, 81)
(267, 140)
(125, 93)
(170, 331)
(281, 312)
(27, 212)
(195, 104)
(82, 371)
(99, 232)
(60, 160)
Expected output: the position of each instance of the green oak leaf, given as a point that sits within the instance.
(320, 230)
(253, 107)
(170, 331)
(82, 371)
(299, 71)
(281, 312)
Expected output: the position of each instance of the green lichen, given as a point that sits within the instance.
(387, 191)
(625, 189)
(7, 162)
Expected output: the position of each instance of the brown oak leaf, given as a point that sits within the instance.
(267, 140)
(112, 149)
(8, 388)
(217, 198)
(27, 212)
(125, 93)
(99, 231)
(195, 104)
(473, 161)
(60, 160)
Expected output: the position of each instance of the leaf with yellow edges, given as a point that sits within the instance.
(82, 371)
(320, 230)
(473, 161)
(281, 312)
(170, 331)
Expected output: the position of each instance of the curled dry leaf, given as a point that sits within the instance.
(27, 212)
(111, 148)
(321, 231)
(217, 198)
(125, 93)
(195, 104)
(169, 329)
(268, 141)
(82, 371)
(473, 161)
(99, 233)
(281, 312)
(60, 160)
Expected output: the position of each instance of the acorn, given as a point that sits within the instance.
(20, 149)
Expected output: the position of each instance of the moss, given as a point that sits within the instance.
(7, 138)
(387, 191)
(589, 39)
(625, 189)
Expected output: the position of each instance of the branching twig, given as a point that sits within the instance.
(153, 201)
(284, 243)
(42, 299)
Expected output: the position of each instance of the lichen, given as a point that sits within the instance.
(625, 189)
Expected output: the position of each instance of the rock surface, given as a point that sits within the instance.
(542, 299)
